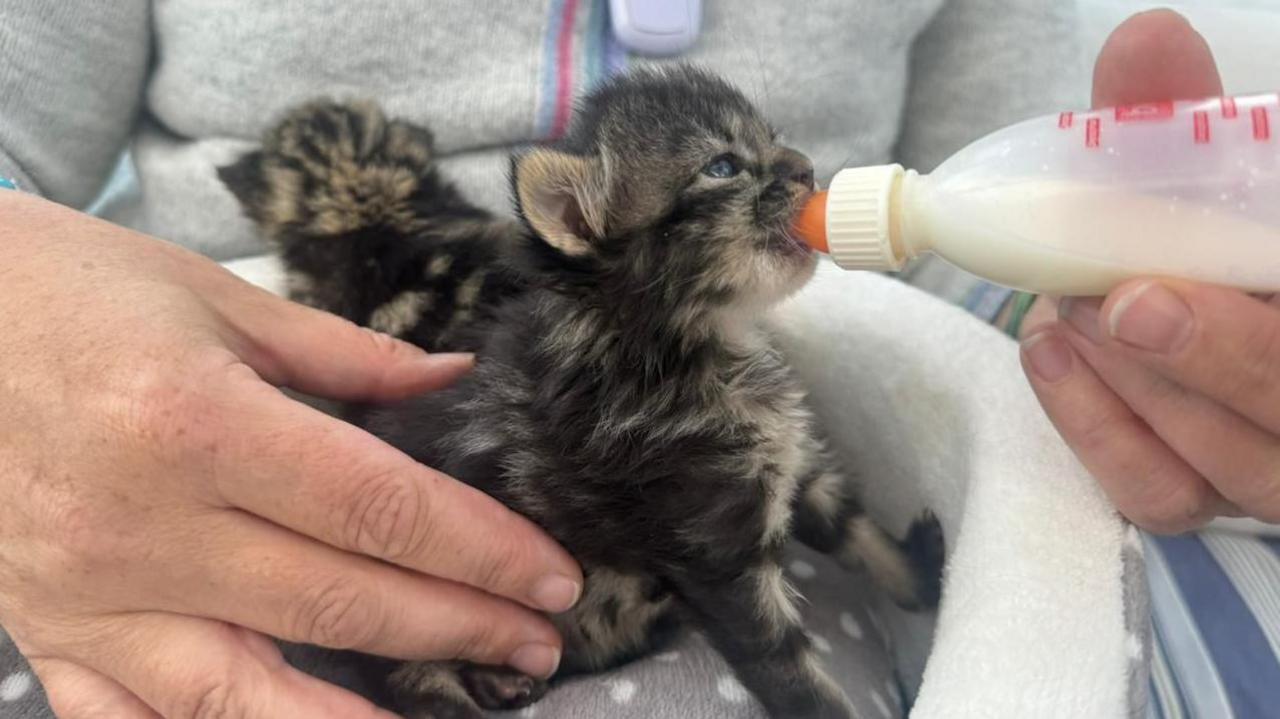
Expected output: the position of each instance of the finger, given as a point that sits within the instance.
(329, 480)
(1240, 460)
(77, 692)
(189, 667)
(322, 354)
(248, 572)
(1154, 56)
(1146, 481)
(1212, 340)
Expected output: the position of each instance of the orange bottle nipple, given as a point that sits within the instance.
(811, 222)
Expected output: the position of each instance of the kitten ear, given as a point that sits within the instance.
(563, 197)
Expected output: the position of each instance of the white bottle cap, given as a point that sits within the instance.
(858, 218)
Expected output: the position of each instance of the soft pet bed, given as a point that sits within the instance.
(1044, 610)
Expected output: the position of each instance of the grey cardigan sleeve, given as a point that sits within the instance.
(983, 64)
(71, 83)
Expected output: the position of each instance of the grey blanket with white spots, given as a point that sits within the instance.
(686, 680)
(1044, 610)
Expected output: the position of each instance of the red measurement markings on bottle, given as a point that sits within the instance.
(1261, 124)
(1092, 132)
(1201, 124)
(1144, 112)
(1066, 119)
(1229, 110)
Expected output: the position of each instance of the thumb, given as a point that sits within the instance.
(1154, 56)
(321, 354)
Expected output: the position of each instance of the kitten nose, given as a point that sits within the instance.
(804, 177)
(794, 167)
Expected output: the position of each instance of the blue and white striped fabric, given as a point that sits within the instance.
(1215, 600)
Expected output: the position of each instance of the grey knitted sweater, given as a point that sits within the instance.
(187, 84)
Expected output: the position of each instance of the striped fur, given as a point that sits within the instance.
(624, 398)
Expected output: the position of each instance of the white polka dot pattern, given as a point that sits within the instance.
(15, 686)
(685, 674)
(881, 706)
(733, 691)
(850, 625)
(621, 690)
(802, 570)
(820, 643)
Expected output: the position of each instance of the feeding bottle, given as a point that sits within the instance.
(1075, 203)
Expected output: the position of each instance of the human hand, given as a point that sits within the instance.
(163, 506)
(1168, 391)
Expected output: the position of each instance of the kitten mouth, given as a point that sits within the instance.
(787, 240)
(779, 217)
(788, 243)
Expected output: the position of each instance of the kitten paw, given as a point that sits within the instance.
(502, 688)
(439, 707)
(431, 690)
(330, 167)
(325, 135)
(926, 550)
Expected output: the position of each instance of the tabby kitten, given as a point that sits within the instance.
(624, 397)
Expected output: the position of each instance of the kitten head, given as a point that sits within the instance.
(669, 184)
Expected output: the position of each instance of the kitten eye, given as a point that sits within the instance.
(722, 167)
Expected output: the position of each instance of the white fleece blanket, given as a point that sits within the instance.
(928, 405)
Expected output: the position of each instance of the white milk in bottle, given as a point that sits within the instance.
(1075, 203)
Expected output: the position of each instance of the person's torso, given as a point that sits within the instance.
(484, 77)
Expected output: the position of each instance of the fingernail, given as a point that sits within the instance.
(437, 359)
(536, 660)
(459, 363)
(1082, 314)
(1049, 356)
(555, 593)
(1150, 317)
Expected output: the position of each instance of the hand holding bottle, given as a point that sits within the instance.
(1168, 391)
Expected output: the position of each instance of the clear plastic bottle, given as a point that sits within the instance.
(1075, 203)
